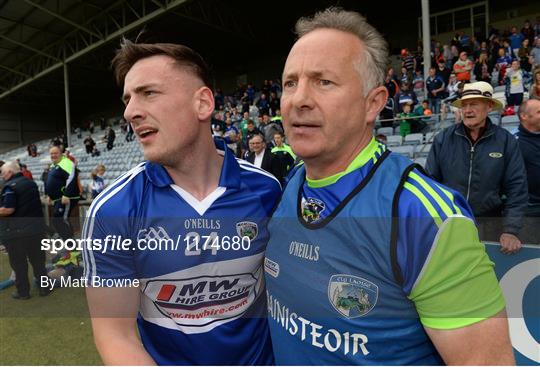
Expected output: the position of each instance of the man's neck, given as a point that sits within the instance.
(199, 170)
(319, 167)
(476, 133)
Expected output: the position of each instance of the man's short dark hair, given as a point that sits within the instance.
(129, 53)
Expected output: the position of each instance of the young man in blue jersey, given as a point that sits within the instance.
(369, 261)
(195, 219)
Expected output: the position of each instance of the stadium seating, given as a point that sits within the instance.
(394, 140)
(120, 159)
(413, 139)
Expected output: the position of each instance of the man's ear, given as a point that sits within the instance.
(204, 103)
(375, 102)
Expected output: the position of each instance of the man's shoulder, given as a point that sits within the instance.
(257, 178)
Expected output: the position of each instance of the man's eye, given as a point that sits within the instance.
(289, 84)
(325, 82)
(149, 92)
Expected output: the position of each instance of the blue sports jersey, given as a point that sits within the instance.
(359, 263)
(202, 300)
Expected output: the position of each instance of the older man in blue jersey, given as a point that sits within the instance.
(194, 218)
(369, 261)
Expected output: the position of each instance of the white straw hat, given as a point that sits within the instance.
(481, 90)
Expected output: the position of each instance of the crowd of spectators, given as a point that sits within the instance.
(509, 58)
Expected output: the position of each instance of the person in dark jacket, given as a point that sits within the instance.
(483, 162)
(528, 136)
(22, 227)
(63, 191)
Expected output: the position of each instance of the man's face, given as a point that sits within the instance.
(163, 103)
(475, 111)
(5, 173)
(323, 105)
(246, 115)
(431, 72)
(463, 56)
(501, 52)
(531, 119)
(278, 139)
(515, 65)
(256, 144)
(265, 119)
(55, 154)
(250, 126)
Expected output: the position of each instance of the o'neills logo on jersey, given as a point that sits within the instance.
(352, 296)
(202, 300)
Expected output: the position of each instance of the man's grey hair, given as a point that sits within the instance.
(375, 58)
(11, 166)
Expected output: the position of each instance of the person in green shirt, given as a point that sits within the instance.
(405, 124)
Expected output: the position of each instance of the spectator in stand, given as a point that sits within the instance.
(514, 85)
(482, 71)
(476, 173)
(463, 68)
(263, 104)
(483, 48)
(259, 154)
(528, 136)
(110, 136)
(269, 128)
(409, 63)
(387, 113)
(251, 93)
(98, 183)
(32, 150)
(405, 96)
(447, 55)
(535, 54)
(435, 90)
(274, 103)
(252, 130)
(391, 84)
(418, 82)
(536, 27)
(404, 76)
(508, 49)
(464, 42)
(95, 152)
(515, 39)
(89, 144)
(535, 88)
(528, 32)
(231, 135)
(494, 48)
(406, 119)
(443, 72)
(26, 172)
(503, 63)
(244, 100)
(524, 55)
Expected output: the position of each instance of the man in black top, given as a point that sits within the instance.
(22, 227)
(528, 136)
(482, 161)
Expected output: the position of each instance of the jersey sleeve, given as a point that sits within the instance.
(108, 252)
(445, 269)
